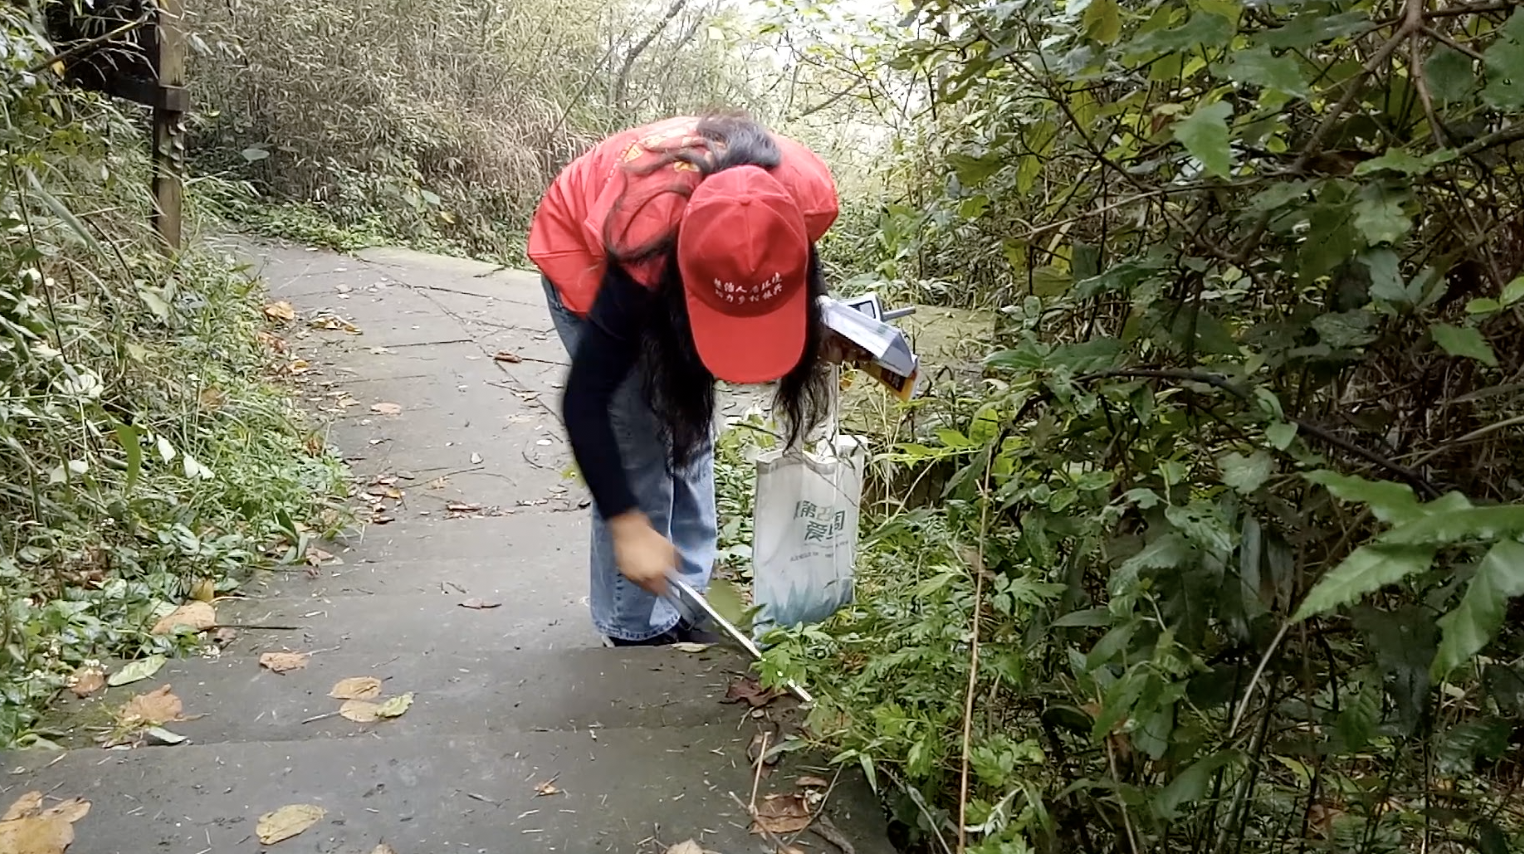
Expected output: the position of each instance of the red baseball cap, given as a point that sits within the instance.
(744, 256)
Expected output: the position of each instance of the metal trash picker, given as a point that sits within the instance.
(736, 634)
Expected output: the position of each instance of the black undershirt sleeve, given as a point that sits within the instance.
(608, 350)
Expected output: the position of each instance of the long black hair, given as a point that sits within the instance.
(679, 389)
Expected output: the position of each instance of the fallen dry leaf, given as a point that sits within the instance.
(298, 366)
(280, 311)
(333, 323)
(357, 688)
(476, 604)
(196, 616)
(396, 707)
(27, 805)
(29, 829)
(812, 783)
(383, 848)
(546, 789)
(360, 711)
(508, 356)
(286, 822)
(688, 847)
(204, 590)
(316, 556)
(155, 708)
(386, 408)
(689, 646)
(88, 681)
(283, 662)
(748, 690)
(781, 814)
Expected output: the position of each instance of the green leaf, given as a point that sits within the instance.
(1401, 161)
(1103, 21)
(1164, 552)
(1245, 474)
(1512, 292)
(1193, 783)
(1481, 738)
(1464, 342)
(1089, 617)
(1314, 27)
(1379, 215)
(1358, 720)
(1476, 621)
(1505, 66)
(1345, 329)
(1366, 570)
(1445, 524)
(396, 707)
(1392, 503)
(136, 671)
(1281, 435)
(1204, 29)
(1259, 67)
(1204, 134)
(127, 435)
(974, 170)
(1386, 276)
(1202, 524)
(1449, 73)
(1485, 305)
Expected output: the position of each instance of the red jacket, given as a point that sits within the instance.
(566, 237)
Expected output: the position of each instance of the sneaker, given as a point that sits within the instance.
(664, 639)
(695, 633)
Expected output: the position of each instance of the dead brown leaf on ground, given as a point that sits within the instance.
(546, 789)
(288, 821)
(476, 604)
(155, 708)
(386, 408)
(508, 356)
(688, 847)
(748, 690)
(781, 814)
(282, 311)
(27, 828)
(197, 616)
(283, 662)
(360, 711)
(356, 688)
(87, 681)
(334, 324)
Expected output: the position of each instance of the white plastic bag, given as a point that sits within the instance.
(804, 543)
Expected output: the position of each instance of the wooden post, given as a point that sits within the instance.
(169, 108)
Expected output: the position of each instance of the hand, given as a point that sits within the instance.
(838, 350)
(643, 555)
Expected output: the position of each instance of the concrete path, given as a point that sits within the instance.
(526, 733)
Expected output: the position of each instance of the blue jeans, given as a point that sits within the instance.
(680, 506)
